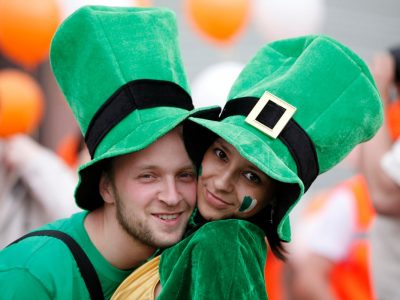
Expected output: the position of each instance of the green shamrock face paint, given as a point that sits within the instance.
(199, 171)
(248, 204)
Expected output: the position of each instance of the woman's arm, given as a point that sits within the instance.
(222, 260)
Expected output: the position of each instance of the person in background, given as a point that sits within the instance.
(345, 214)
(36, 187)
(121, 72)
(336, 264)
(289, 117)
(379, 170)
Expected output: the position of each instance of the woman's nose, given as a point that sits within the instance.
(224, 181)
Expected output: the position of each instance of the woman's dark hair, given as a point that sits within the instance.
(266, 221)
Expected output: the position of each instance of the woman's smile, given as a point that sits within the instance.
(216, 201)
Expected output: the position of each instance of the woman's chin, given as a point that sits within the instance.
(211, 215)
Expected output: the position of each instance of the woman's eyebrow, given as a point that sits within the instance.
(254, 168)
(224, 146)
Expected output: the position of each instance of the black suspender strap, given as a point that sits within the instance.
(86, 268)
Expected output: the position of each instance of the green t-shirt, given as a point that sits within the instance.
(222, 260)
(42, 267)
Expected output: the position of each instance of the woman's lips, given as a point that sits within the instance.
(216, 201)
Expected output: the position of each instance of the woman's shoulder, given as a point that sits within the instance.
(231, 227)
(229, 233)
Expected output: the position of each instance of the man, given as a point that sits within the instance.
(121, 73)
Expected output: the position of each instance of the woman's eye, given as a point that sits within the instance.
(220, 154)
(252, 177)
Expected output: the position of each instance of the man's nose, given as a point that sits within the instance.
(170, 193)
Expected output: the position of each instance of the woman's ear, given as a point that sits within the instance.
(106, 188)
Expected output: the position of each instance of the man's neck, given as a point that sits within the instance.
(119, 248)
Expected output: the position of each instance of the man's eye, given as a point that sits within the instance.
(252, 177)
(147, 176)
(187, 176)
(220, 154)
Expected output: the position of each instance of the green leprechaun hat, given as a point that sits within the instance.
(121, 72)
(295, 111)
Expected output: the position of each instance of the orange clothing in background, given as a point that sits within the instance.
(350, 277)
(274, 277)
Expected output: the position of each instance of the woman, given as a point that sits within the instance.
(290, 117)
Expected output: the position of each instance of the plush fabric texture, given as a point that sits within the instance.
(97, 50)
(42, 267)
(237, 247)
(338, 106)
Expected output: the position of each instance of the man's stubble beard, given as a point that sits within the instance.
(136, 229)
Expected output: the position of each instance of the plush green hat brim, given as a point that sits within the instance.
(156, 123)
(250, 142)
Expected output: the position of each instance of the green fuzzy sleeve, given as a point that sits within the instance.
(222, 260)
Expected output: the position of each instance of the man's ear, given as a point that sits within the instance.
(106, 188)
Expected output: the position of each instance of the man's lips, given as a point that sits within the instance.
(215, 201)
(168, 218)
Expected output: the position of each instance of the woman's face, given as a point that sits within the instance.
(227, 182)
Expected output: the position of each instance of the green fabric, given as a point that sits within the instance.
(97, 50)
(338, 106)
(222, 260)
(44, 268)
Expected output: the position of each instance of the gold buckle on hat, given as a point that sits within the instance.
(284, 119)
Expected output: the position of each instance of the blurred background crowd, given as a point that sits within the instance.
(345, 240)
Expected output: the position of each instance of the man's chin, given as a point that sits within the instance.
(164, 242)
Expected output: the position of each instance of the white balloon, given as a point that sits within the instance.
(280, 19)
(212, 85)
(69, 6)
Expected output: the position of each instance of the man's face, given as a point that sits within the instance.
(154, 191)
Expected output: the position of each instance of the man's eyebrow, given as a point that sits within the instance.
(188, 167)
(145, 167)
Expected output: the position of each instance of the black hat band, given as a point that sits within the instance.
(136, 94)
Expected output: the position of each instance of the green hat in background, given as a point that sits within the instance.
(121, 72)
(295, 111)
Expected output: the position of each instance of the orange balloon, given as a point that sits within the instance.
(26, 29)
(219, 20)
(143, 3)
(21, 102)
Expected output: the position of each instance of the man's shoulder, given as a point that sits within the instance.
(42, 262)
(39, 252)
